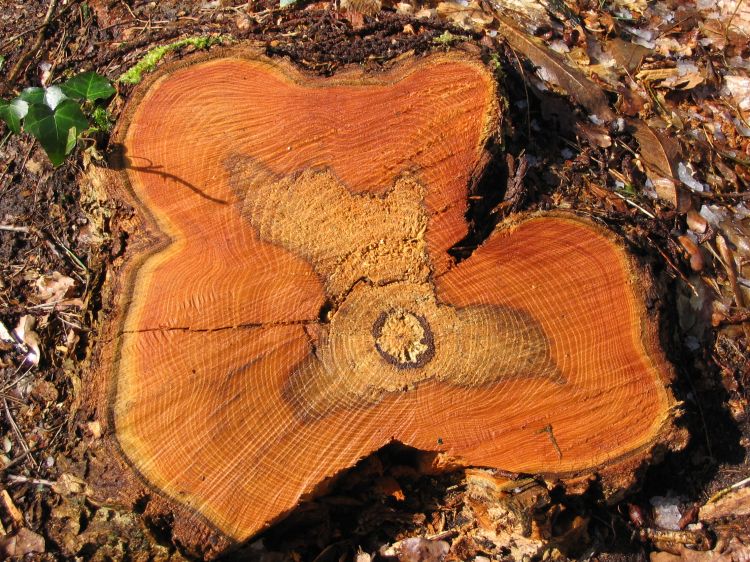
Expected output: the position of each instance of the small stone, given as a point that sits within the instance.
(666, 512)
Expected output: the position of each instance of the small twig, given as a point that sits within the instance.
(450, 533)
(18, 433)
(12, 398)
(11, 228)
(732, 195)
(17, 479)
(740, 484)
(548, 430)
(698, 540)
(633, 204)
(14, 462)
(19, 379)
(724, 491)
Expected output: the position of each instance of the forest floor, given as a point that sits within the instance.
(665, 163)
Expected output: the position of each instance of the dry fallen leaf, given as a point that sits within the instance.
(54, 287)
(692, 249)
(597, 135)
(5, 334)
(25, 333)
(739, 88)
(23, 542)
(686, 81)
(661, 155)
(467, 16)
(627, 55)
(67, 485)
(417, 549)
(656, 74)
(554, 70)
(696, 222)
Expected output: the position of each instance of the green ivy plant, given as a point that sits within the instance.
(56, 116)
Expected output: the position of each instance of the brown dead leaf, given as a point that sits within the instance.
(389, 486)
(609, 198)
(469, 16)
(626, 54)
(696, 222)
(692, 249)
(25, 333)
(686, 81)
(599, 21)
(55, 287)
(554, 70)
(660, 156)
(416, 549)
(656, 74)
(68, 485)
(631, 101)
(727, 255)
(23, 542)
(686, 77)
(595, 134)
(44, 391)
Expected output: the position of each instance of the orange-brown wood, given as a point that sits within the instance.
(289, 304)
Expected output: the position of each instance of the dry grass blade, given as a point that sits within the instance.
(580, 88)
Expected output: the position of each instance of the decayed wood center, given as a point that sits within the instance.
(289, 304)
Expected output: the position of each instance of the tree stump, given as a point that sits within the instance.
(288, 304)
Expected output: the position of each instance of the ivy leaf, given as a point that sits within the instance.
(89, 85)
(56, 130)
(53, 96)
(32, 95)
(12, 113)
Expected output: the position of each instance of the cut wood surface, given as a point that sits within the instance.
(289, 304)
